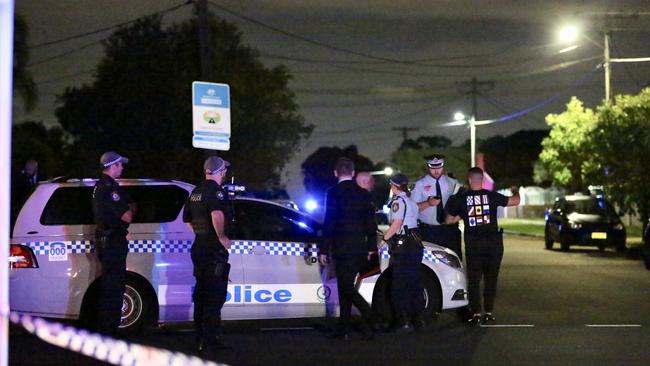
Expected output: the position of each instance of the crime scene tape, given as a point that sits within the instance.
(103, 348)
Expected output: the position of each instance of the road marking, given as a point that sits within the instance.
(613, 325)
(507, 326)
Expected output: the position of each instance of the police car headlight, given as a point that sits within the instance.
(575, 225)
(447, 258)
(618, 226)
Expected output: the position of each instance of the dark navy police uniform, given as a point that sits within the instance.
(483, 242)
(210, 259)
(406, 260)
(110, 202)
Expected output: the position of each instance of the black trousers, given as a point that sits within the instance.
(448, 236)
(484, 255)
(211, 271)
(111, 248)
(347, 269)
(406, 284)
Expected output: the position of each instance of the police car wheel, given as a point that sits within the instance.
(137, 307)
(431, 293)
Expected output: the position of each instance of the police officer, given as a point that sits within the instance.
(431, 193)
(483, 240)
(113, 211)
(207, 212)
(406, 255)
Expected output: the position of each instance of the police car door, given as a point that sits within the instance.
(281, 271)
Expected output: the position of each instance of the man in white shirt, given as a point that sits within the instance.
(431, 193)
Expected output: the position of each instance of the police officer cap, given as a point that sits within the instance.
(215, 164)
(399, 180)
(435, 161)
(111, 157)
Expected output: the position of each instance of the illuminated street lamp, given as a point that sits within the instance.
(571, 33)
(388, 171)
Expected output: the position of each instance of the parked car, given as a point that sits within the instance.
(584, 220)
(274, 274)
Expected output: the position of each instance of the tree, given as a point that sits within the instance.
(620, 146)
(565, 150)
(422, 142)
(510, 159)
(411, 161)
(140, 105)
(32, 140)
(23, 84)
(319, 166)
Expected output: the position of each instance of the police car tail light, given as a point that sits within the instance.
(21, 256)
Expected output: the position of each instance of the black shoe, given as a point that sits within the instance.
(475, 320)
(367, 334)
(489, 318)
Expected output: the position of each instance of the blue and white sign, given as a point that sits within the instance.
(58, 252)
(211, 115)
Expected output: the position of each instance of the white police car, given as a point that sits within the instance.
(275, 273)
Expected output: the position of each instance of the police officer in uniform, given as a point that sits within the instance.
(207, 212)
(431, 193)
(406, 255)
(483, 240)
(113, 211)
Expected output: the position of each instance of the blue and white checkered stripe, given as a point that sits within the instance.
(160, 246)
(184, 246)
(426, 255)
(275, 248)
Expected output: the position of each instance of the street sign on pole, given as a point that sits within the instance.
(211, 116)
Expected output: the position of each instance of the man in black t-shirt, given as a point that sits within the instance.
(483, 240)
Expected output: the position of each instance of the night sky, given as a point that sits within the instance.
(362, 68)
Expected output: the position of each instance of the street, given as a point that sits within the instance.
(583, 307)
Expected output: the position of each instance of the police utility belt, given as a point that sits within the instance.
(398, 241)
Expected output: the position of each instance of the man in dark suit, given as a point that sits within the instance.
(349, 239)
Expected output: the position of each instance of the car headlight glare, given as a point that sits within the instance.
(618, 226)
(447, 258)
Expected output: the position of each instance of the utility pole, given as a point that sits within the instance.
(205, 39)
(607, 65)
(475, 89)
(405, 130)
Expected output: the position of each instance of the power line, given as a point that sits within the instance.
(64, 54)
(104, 29)
(391, 119)
(346, 50)
(63, 77)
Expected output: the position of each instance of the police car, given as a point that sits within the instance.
(275, 273)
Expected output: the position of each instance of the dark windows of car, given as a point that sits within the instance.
(69, 206)
(591, 206)
(73, 205)
(263, 221)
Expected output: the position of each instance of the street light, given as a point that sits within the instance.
(458, 117)
(571, 33)
(386, 171)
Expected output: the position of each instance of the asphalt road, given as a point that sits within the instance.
(583, 307)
